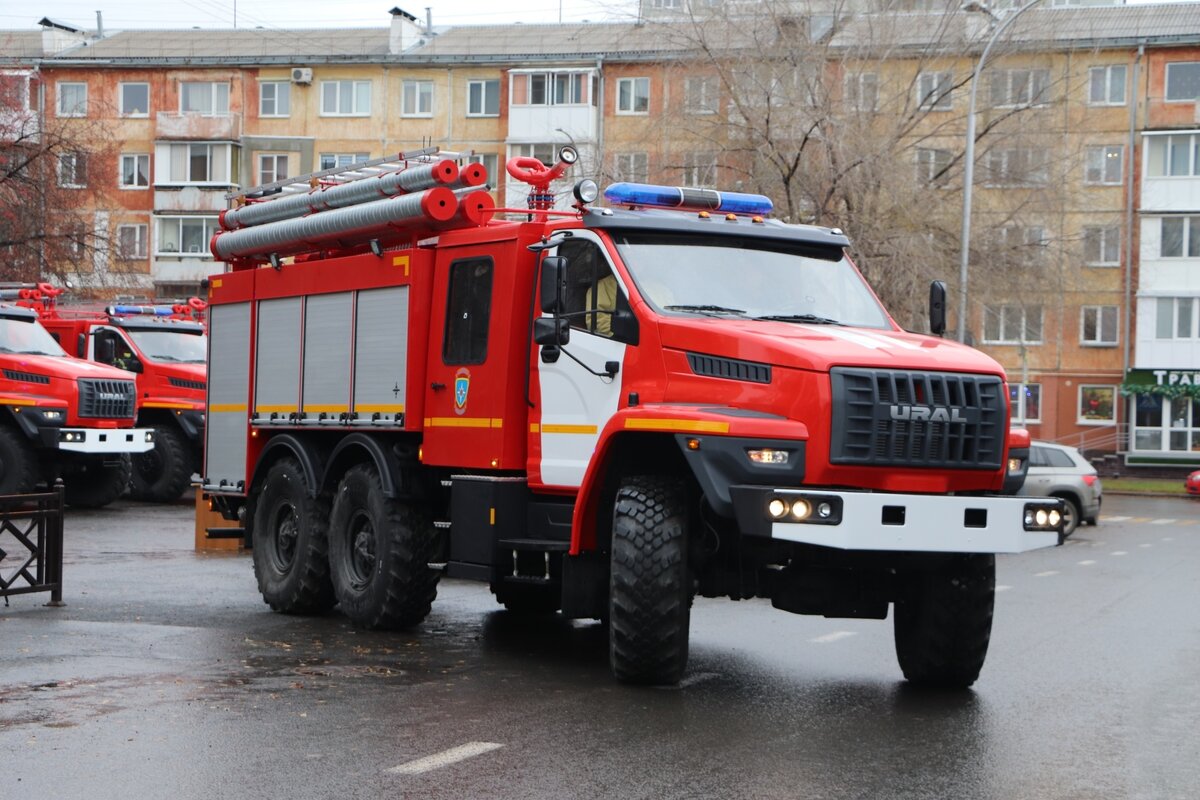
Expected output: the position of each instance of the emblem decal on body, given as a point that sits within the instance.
(462, 385)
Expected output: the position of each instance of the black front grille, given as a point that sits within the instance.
(731, 368)
(917, 419)
(26, 377)
(103, 399)
(184, 383)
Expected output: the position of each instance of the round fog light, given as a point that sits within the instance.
(801, 509)
(777, 508)
(1055, 518)
(824, 511)
(1041, 516)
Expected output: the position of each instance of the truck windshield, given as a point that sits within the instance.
(27, 337)
(174, 346)
(731, 276)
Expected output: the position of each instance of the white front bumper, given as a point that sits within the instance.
(931, 523)
(107, 440)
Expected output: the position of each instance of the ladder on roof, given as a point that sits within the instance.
(344, 174)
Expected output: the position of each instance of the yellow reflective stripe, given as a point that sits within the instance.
(274, 409)
(682, 425)
(587, 429)
(325, 409)
(221, 408)
(17, 401)
(157, 404)
(383, 408)
(463, 422)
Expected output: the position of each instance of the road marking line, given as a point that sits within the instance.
(1163, 522)
(1000, 588)
(1118, 553)
(1045, 574)
(445, 758)
(832, 637)
(1116, 519)
(1087, 563)
(1145, 545)
(1168, 538)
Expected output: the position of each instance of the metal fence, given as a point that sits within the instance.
(31, 544)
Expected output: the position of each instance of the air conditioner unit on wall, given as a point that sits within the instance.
(301, 75)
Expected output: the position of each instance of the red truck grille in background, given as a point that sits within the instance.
(105, 399)
(906, 418)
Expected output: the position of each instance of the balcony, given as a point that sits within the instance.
(168, 199)
(1170, 194)
(541, 123)
(200, 127)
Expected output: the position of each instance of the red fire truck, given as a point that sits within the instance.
(165, 346)
(61, 416)
(599, 411)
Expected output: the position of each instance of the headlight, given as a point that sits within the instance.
(768, 456)
(813, 509)
(1014, 465)
(1042, 517)
(52, 416)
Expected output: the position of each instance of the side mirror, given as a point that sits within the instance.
(553, 331)
(106, 350)
(81, 345)
(625, 326)
(937, 308)
(553, 283)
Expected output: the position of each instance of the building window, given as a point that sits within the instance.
(135, 99)
(135, 170)
(1017, 166)
(932, 166)
(700, 95)
(1029, 241)
(1183, 82)
(1097, 405)
(934, 91)
(1005, 324)
(72, 170)
(1175, 156)
(631, 167)
(468, 310)
(274, 99)
(1102, 245)
(14, 90)
(1106, 85)
(483, 98)
(491, 164)
(1098, 326)
(633, 96)
(340, 160)
(72, 99)
(416, 99)
(1167, 424)
(272, 167)
(186, 235)
(1180, 237)
(1026, 400)
(1012, 88)
(551, 88)
(700, 170)
(546, 153)
(198, 163)
(206, 99)
(861, 91)
(345, 98)
(131, 242)
(1103, 165)
(1176, 318)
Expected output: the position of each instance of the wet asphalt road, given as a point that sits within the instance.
(166, 677)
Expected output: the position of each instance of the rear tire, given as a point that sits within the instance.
(290, 546)
(19, 471)
(943, 621)
(379, 554)
(162, 474)
(95, 482)
(650, 584)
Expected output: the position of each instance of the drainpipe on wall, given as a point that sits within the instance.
(600, 117)
(1127, 333)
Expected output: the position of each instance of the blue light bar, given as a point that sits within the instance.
(644, 194)
(155, 311)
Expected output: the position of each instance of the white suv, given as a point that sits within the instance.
(1056, 470)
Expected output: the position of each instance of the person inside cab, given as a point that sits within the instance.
(592, 290)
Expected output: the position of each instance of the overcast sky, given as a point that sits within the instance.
(124, 14)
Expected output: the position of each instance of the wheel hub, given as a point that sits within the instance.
(286, 534)
(362, 550)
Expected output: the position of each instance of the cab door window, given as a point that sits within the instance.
(592, 291)
(468, 310)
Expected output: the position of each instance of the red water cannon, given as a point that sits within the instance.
(528, 169)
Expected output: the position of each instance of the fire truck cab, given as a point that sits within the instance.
(605, 412)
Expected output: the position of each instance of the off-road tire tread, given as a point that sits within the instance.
(102, 484)
(21, 472)
(176, 473)
(649, 591)
(306, 588)
(944, 622)
(407, 595)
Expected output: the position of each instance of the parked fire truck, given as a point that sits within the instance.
(599, 411)
(61, 416)
(165, 346)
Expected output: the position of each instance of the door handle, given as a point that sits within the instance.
(437, 387)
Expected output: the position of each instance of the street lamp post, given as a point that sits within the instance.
(969, 153)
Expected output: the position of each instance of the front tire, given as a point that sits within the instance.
(290, 545)
(19, 470)
(162, 474)
(379, 554)
(943, 621)
(96, 482)
(650, 584)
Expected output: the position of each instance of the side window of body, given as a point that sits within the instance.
(592, 292)
(468, 311)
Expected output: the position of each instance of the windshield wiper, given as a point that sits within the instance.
(713, 310)
(809, 318)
